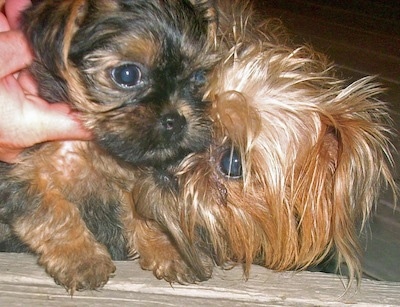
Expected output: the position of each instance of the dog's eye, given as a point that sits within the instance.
(231, 164)
(199, 78)
(127, 75)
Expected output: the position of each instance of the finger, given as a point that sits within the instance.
(9, 155)
(4, 26)
(10, 91)
(15, 52)
(28, 83)
(57, 122)
(66, 126)
(13, 9)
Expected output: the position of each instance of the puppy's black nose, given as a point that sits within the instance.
(173, 123)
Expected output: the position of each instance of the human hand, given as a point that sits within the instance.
(25, 118)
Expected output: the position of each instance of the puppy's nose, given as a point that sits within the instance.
(173, 123)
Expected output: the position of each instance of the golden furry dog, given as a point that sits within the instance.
(135, 72)
(297, 160)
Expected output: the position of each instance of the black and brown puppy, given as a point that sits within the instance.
(135, 71)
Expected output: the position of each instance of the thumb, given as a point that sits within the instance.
(56, 123)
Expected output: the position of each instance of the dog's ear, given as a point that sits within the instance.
(208, 9)
(49, 27)
(356, 146)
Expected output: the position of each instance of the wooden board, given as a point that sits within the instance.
(24, 283)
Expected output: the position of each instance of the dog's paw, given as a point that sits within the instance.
(83, 270)
(175, 270)
(170, 270)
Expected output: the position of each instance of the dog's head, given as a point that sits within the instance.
(135, 70)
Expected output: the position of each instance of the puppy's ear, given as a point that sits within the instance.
(50, 26)
(208, 9)
(360, 152)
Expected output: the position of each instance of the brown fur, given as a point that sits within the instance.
(296, 160)
(312, 155)
(70, 202)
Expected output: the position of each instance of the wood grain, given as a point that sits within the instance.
(24, 283)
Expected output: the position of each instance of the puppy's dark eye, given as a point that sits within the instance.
(127, 75)
(231, 164)
(199, 78)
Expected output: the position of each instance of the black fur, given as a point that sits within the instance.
(154, 123)
(170, 79)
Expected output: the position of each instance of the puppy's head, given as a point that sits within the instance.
(134, 69)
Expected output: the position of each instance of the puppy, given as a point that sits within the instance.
(135, 71)
(297, 159)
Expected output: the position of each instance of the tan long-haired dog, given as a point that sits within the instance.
(298, 157)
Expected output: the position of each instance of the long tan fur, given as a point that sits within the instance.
(315, 153)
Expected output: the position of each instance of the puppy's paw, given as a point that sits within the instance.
(87, 269)
(175, 270)
(182, 263)
(170, 270)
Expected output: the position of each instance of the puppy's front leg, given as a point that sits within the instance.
(66, 248)
(158, 254)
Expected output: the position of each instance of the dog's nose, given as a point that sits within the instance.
(173, 123)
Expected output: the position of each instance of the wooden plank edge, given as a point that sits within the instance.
(22, 281)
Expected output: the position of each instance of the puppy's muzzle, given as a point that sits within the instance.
(173, 124)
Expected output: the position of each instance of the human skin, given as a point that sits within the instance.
(25, 118)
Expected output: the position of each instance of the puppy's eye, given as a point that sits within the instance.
(199, 78)
(127, 75)
(231, 164)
